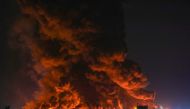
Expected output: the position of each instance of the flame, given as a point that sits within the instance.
(71, 57)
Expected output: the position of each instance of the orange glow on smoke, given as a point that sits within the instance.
(74, 73)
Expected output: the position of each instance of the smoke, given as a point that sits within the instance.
(78, 55)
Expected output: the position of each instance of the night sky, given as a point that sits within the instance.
(157, 36)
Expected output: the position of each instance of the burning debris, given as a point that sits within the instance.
(78, 55)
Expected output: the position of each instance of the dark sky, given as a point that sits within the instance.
(157, 38)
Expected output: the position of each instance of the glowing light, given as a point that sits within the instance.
(161, 107)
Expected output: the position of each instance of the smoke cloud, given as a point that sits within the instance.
(78, 55)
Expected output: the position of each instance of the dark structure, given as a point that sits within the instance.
(7, 107)
(142, 107)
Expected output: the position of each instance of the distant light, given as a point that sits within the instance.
(161, 107)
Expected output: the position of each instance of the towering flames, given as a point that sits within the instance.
(78, 54)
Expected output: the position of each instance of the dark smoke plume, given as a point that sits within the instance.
(79, 56)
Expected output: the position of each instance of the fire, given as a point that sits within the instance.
(73, 57)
